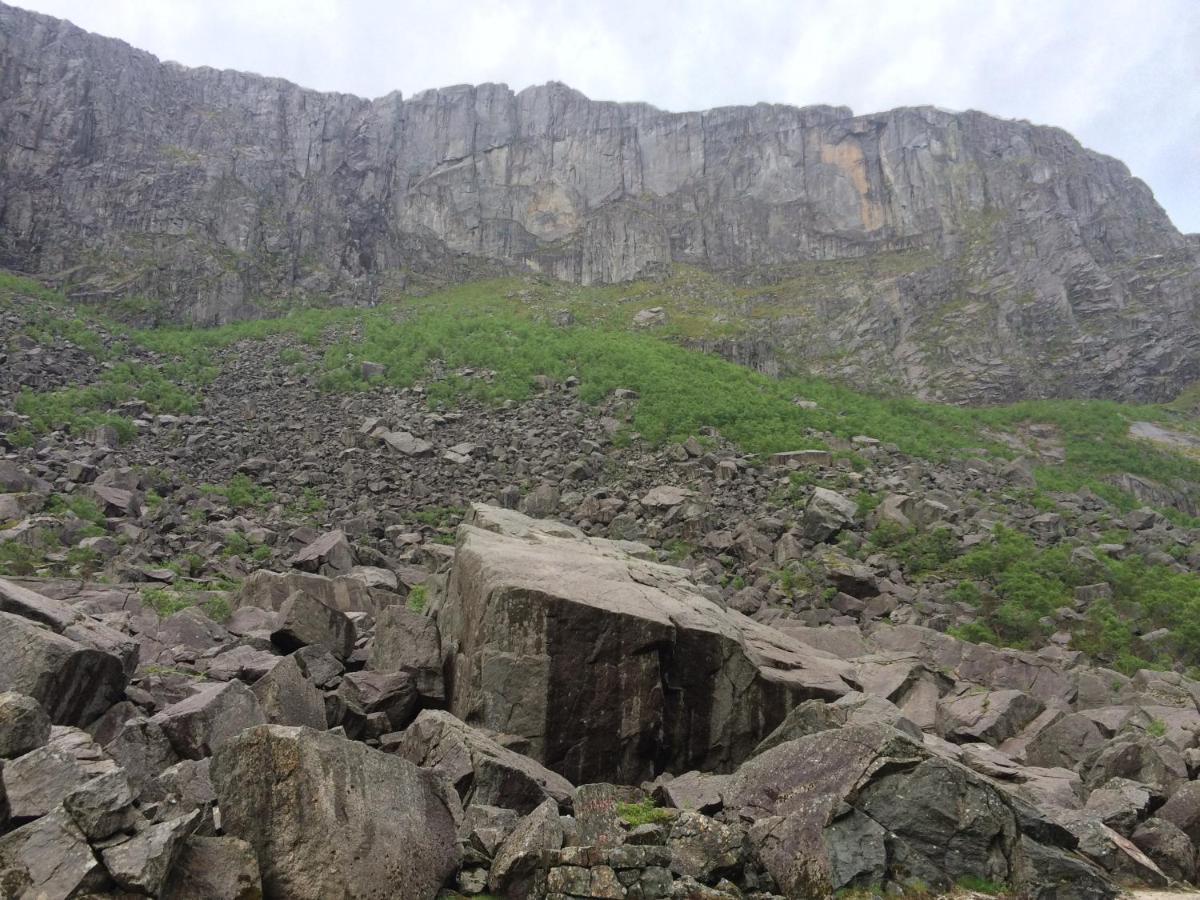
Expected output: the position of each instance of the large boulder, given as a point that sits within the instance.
(199, 724)
(607, 665)
(74, 683)
(827, 513)
(331, 817)
(289, 697)
(330, 554)
(988, 716)
(24, 725)
(41, 779)
(50, 858)
(481, 770)
(62, 618)
(268, 590)
(866, 805)
(142, 863)
(1042, 678)
(518, 865)
(305, 620)
(214, 868)
(407, 641)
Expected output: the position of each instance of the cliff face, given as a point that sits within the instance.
(1014, 261)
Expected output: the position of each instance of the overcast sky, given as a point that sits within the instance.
(1122, 75)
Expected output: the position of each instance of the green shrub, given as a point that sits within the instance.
(644, 812)
(418, 596)
(241, 493)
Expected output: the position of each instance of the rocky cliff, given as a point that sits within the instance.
(966, 257)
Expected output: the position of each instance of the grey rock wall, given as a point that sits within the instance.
(1028, 265)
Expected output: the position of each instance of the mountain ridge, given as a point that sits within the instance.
(1025, 264)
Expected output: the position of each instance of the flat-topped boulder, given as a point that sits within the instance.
(611, 667)
(270, 590)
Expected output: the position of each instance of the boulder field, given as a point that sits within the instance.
(565, 717)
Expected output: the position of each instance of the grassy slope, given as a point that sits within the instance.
(503, 326)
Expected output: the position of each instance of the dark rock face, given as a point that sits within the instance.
(611, 667)
(327, 816)
(1015, 261)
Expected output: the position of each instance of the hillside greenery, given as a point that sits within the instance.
(506, 329)
(503, 326)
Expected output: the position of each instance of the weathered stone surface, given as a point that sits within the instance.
(926, 817)
(1171, 849)
(568, 643)
(39, 781)
(212, 716)
(73, 683)
(142, 749)
(1065, 743)
(269, 590)
(288, 697)
(24, 725)
(142, 863)
(304, 620)
(482, 771)
(705, 849)
(827, 513)
(693, 790)
(1182, 810)
(103, 806)
(214, 868)
(1152, 761)
(331, 817)
(406, 641)
(518, 863)
(330, 554)
(375, 703)
(48, 858)
(989, 716)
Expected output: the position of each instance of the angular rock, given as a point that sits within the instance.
(1065, 743)
(827, 513)
(73, 683)
(519, 861)
(705, 849)
(215, 714)
(49, 858)
(24, 725)
(330, 554)
(929, 818)
(482, 771)
(103, 806)
(214, 868)
(698, 791)
(1182, 810)
(1169, 848)
(304, 620)
(39, 781)
(288, 697)
(142, 863)
(406, 641)
(268, 590)
(375, 703)
(989, 716)
(331, 817)
(569, 644)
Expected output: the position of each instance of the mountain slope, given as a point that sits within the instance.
(1016, 263)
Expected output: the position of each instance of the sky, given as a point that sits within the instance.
(1123, 76)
